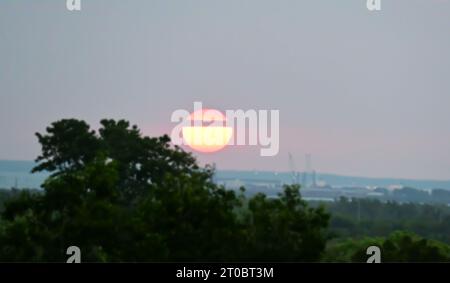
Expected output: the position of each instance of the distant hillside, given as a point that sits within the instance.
(19, 171)
(334, 180)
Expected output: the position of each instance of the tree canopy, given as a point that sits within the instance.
(121, 196)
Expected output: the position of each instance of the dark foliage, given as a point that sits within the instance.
(120, 196)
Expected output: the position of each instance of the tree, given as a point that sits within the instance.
(285, 229)
(407, 247)
(400, 246)
(120, 196)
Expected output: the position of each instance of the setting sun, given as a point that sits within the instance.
(208, 132)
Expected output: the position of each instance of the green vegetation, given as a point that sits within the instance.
(8, 194)
(120, 196)
(123, 197)
(398, 247)
(365, 217)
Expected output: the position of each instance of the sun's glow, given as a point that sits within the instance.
(207, 138)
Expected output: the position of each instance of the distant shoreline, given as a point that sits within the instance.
(12, 171)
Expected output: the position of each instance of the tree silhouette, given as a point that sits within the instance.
(120, 196)
(400, 246)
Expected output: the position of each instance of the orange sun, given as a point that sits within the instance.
(208, 132)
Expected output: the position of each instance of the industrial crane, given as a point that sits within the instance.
(295, 174)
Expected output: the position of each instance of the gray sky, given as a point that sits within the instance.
(365, 93)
